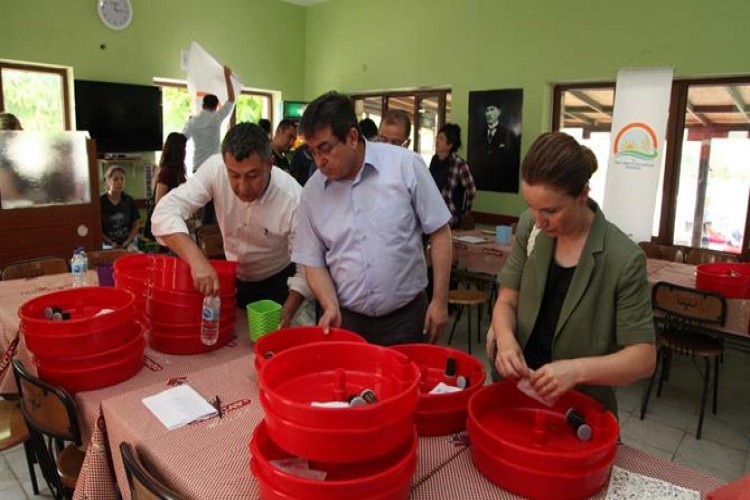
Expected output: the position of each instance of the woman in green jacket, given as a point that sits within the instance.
(574, 308)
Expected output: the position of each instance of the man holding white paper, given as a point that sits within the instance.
(205, 128)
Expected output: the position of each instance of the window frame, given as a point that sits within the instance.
(673, 150)
(232, 119)
(62, 72)
(440, 93)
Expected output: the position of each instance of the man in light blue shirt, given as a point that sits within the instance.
(360, 229)
(205, 128)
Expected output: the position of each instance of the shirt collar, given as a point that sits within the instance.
(372, 160)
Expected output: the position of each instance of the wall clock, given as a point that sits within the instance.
(115, 14)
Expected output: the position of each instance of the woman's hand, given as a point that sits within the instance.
(509, 359)
(205, 279)
(556, 378)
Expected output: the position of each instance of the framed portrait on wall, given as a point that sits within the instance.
(494, 148)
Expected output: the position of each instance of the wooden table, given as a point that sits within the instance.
(210, 459)
(738, 310)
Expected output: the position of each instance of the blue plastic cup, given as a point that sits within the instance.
(503, 234)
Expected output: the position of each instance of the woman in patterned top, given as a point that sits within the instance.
(452, 175)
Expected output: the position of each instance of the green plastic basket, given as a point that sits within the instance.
(263, 317)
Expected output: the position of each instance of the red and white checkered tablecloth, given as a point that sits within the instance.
(13, 294)
(460, 479)
(207, 459)
(96, 480)
(210, 459)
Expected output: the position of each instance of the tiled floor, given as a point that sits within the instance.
(668, 430)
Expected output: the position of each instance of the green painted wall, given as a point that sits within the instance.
(262, 40)
(358, 45)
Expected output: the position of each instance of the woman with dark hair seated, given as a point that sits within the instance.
(452, 175)
(171, 173)
(574, 308)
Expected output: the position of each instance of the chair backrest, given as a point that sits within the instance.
(99, 257)
(143, 485)
(689, 306)
(213, 246)
(662, 252)
(50, 416)
(34, 267)
(47, 409)
(703, 256)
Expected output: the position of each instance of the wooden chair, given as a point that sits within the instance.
(213, 246)
(143, 484)
(466, 299)
(697, 256)
(687, 314)
(484, 280)
(50, 416)
(34, 267)
(662, 252)
(13, 431)
(99, 257)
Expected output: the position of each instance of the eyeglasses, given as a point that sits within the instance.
(323, 149)
(394, 141)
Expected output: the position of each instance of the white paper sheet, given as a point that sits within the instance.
(624, 484)
(179, 406)
(472, 240)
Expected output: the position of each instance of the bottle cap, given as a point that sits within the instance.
(462, 382)
(57, 316)
(66, 316)
(48, 312)
(369, 396)
(584, 432)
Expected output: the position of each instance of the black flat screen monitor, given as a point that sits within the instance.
(121, 117)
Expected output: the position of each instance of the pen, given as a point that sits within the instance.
(218, 406)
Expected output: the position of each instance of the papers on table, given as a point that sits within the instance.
(624, 484)
(179, 406)
(472, 240)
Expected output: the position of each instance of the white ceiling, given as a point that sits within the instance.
(305, 3)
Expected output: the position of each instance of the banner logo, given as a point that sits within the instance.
(636, 142)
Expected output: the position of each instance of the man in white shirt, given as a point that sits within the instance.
(256, 209)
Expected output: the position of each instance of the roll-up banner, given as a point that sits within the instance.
(639, 124)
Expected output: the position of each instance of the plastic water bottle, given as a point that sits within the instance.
(79, 267)
(210, 322)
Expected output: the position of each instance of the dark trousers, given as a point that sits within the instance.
(402, 326)
(272, 288)
(209, 213)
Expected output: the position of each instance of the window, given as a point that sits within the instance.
(429, 110)
(37, 95)
(250, 106)
(705, 180)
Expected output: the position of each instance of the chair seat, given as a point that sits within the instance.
(467, 297)
(69, 464)
(696, 344)
(13, 430)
